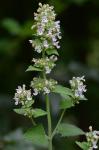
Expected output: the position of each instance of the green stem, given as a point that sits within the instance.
(48, 113)
(61, 117)
(49, 122)
(33, 122)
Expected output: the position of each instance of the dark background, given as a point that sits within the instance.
(79, 55)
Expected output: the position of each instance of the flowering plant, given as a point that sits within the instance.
(45, 41)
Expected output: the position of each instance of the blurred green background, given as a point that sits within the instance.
(79, 55)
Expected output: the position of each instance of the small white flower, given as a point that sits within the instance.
(44, 19)
(35, 92)
(78, 86)
(54, 58)
(54, 39)
(16, 101)
(46, 90)
(30, 41)
(48, 70)
(40, 30)
(29, 97)
(22, 95)
(92, 138)
(19, 90)
(45, 43)
(38, 49)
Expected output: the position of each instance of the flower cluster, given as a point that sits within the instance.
(92, 138)
(22, 96)
(45, 63)
(78, 87)
(46, 29)
(43, 85)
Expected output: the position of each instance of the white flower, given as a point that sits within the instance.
(46, 27)
(30, 41)
(22, 95)
(46, 90)
(16, 101)
(54, 58)
(29, 95)
(45, 43)
(35, 92)
(38, 49)
(92, 138)
(48, 70)
(40, 30)
(44, 19)
(19, 90)
(78, 86)
(57, 24)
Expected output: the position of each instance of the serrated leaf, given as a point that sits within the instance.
(38, 112)
(65, 104)
(63, 91)
(69, 130)
(37, 136)
(32, 68)
(52, 51)
(83, 145)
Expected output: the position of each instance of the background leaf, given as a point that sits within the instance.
(12, 26)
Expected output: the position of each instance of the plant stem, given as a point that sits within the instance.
(61, 117)
(33, 122)
(49, 123)
(48, 113)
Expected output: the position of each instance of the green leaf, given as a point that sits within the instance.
(38, 112)
(37, 136)
(29, 103)
(69, 130)
(83, 145)
(20, 111)
(65, 104)
(63, 91)
(52, 51)
(12, 26)
(32, 68)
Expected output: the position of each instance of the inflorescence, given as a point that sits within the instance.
(78, 87)
(92, 138)
(22, 96)
(46, 29)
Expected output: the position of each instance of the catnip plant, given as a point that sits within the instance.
(46, 35)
